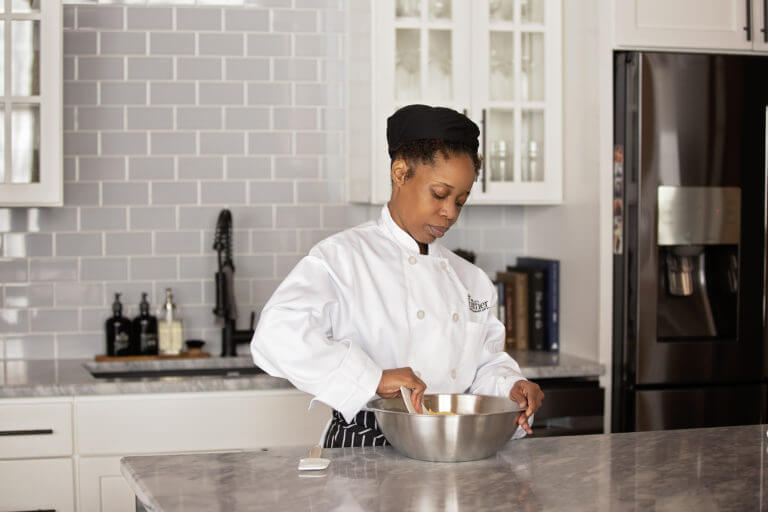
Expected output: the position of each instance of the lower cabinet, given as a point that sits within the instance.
(102, 487)
(37, 484)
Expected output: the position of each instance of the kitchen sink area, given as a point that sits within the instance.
(203, 367)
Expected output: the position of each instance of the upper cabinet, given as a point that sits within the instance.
(498, 61)
(30, 103)
(697, 24)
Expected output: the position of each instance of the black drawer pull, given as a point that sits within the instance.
(39, 432)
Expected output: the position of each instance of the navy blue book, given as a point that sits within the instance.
(551, 298)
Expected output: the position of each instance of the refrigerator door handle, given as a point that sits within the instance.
(764, 30)
(748, 27)
(485, 153)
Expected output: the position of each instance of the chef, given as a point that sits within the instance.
(384, 305)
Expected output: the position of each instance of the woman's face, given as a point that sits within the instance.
(428, 203)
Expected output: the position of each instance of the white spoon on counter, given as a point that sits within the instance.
(314, 462)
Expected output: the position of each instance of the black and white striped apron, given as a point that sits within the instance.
(362, 431)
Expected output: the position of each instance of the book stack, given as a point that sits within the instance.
(529, 304)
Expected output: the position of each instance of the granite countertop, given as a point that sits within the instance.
(70, 377)
(680, 470)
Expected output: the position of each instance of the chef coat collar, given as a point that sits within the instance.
(402, 238)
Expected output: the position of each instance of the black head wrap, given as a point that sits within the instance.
(417, 122)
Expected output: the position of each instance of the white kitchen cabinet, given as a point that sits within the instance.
(498, 61)
(35, 427)
(31, 171)
(37, 484)
(737, 25)
(102, 487)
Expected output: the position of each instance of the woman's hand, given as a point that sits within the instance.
(529, 396)
(391, 380)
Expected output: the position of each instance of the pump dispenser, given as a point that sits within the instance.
(118, 330)
(145, 330)
(169, 327)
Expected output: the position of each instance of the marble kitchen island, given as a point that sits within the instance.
(698, 470)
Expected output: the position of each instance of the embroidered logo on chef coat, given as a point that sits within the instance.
(476, 306)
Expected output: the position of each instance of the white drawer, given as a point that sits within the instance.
(127, 424)
(31, 428)
(40, 484)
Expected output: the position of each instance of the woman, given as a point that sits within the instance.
(383, 305)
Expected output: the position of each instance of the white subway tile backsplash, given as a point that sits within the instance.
(295, 118)
(220, 44)
(318, 94)
(298, 216)
(272, 241)
(150, 118)
(68, 119)
(100, 118)
(80, 346)
(102, 219)
(317, 45)
(333, 167)
(55, 219)
(127, 244)
(80, 43)
(68, 68)
(268, 3)
(247, 69)
(333, 119)
(197, 267)
(318, 143)
(285, 263)
(174, 193)
(80, 143)
(125, 193)
(247, 118)
(250, 217)
(198, 217)
(320, 192)
(70, 169)
(231, 192)
(47, 269)
(99, 17)
(198, 19)
(296, 167)
(53, 320)
(294, 21)
(122, 93)
(150, 168)
(77, 244)
(150, 68)
(177, 242)
(100, 168)
(81, 194)
(93, 319)
(198, 68)
(162, 93)
(269, 45)
(257, 266)
(217, 143)
(100, 68)
(13, 245)
(332, 21)
(173, 143)
(271, 192)
(152, 218)
(250, 20)
(191, 118)
(171, 43)
(123, 143)
(30, 346)
(156, 267)
(184, 293)
(221, 94)
(121, 43)
(201, 168)
(29, 295)
(269, 94)
(13, 271)
(149, 18)
(39, 244)
(261, 143)
(68, 18)
(80, 93)
(249, 167)
(295, 69)
(78, 294)
(103, 269)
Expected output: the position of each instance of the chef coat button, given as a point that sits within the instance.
(455, 317)
(420, 314)
(444, 264)
(453, 374)
(412, 260)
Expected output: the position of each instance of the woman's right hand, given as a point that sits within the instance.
(391, 380)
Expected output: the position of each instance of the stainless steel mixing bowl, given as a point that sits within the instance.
(481, 425)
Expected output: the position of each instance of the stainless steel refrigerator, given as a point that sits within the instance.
(689, 221)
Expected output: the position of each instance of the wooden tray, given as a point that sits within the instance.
(183, 355)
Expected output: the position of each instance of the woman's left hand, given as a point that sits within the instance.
(529, 396)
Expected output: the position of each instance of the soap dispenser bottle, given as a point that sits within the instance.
(118, 330)
(169, 327)
(145, 330)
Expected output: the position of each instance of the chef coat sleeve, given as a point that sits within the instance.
(294, 340)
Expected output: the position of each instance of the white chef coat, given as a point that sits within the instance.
(364, 300)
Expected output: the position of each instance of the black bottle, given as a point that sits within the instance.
(118, 331)
(144, 330)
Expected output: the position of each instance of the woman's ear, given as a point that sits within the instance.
(398, 172)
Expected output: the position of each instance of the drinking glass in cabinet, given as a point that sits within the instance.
(408, 8)
(440, 9)
(407, 64)
(501, 161)
(532, 66)
(440, 64)
(532, 11)
(533, 145)
(501, 81)
(25, 58)
(501, 10)
(25, 5)
(25, 147)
